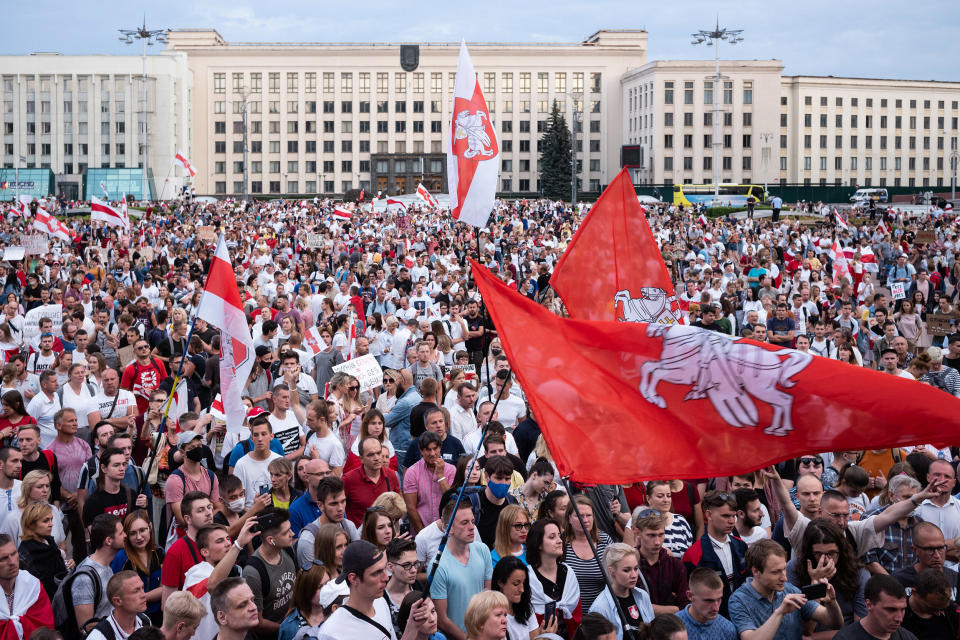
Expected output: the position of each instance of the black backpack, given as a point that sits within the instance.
(64, 615)
(108, 631)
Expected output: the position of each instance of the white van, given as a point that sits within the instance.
(863, 196)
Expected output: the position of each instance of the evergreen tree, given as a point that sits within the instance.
(556, 156)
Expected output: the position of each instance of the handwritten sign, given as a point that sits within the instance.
(366, 369)
(939, 324)
(898, 290)
(35, 245)
(31, 321)
(314, 240)
(207, 234)
(12, 254)
(927, 236)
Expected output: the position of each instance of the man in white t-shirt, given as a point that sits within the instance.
(252, 468)
(364, 569)
(322, 442)
(43, 359)
(11, 462)
(286, 422)
(44, 406)
(115, 405)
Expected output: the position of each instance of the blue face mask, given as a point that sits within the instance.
(498, 489)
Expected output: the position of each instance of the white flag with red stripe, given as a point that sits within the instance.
(100, 210)
(840, 222)
(181, 159)
(425, 195)
(841, 267)
(352, 339)
(395, 206)
(313, 342)
(882, 227)
(221, 306)
(702, 219)
(49, 224)
(340, 212)
(473, 156)
(869, 259)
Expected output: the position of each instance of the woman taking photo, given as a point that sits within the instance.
(39, 554)
(826, 553)
(510, 578)
(140, 553)
(578, 553)
(679, 536)
(550, 579)
(14, 416)
(512, 527)
(372, 426)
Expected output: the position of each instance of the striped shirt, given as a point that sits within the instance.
(587, 572)
(678, 536)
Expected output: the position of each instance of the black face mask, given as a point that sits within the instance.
(196, 454)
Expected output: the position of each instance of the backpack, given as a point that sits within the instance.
(261, 567)
(247, 448)
(108, 631)
(179, 473)
(64, 615)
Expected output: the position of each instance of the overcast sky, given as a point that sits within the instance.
(882, 38)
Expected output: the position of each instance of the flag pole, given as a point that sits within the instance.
(606, 579)
(166, 409)
(446, 533)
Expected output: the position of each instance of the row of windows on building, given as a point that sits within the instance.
(119, 149)
(868, 121)
(383, 106)
(46, 128)
(310, 186)
(67, 82)
(854, 164)
(884, 102)
(30, 107)
(308, 80)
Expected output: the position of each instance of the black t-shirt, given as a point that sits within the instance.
(163, 348)
(489, 514)
(941, 627)
(856, 632)
(119, 504)
(631, 611)
(474, 324)
(952, 362)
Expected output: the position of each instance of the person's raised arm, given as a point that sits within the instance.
(903, 508)
(226, 564)
(787, 508)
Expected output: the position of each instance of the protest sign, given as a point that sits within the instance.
(898, 290)
(366, 369)
(314, 240)
(926, 236)
(939, 324)
(11, 254)
(35, 244)
(207, 234)
(31, 321)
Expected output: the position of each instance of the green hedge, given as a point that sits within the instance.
(719, 212)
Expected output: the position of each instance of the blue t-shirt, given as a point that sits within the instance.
(457, 583)
(749, 610)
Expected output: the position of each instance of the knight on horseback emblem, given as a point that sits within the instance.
(728, 373)
(653, 306)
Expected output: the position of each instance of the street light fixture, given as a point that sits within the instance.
(147, 37)
(576, 115)
(713, 37)
(765, 153)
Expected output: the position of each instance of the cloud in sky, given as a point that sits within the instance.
(819, 37)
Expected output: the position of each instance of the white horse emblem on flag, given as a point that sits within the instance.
(726, 372)
(472, 126)
(653, 306)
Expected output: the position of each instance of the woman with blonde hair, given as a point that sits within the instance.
(388, 395)
(39, 554)
(512, 528)
(486, 616)
(35, 488)
(96, 365)
(281, 479)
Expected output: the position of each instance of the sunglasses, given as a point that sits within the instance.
(817, 462)
(354, 388)
(376, 508)
(649, 512)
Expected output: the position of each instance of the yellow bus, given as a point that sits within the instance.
(731, 195)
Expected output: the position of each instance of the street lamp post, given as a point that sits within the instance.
(146, 37)
(765, 153)
(954, 160)
(713, 38)
(575, 117)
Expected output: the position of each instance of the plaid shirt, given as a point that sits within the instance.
(897, 550)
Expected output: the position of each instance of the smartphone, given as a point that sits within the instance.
(549, 610)
(814, 591)
(264, 489)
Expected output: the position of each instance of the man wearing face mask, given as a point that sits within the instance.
(494, 498)
(190, 476)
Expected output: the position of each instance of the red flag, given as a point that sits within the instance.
(619, 402)
(473, 157)
(613, 268)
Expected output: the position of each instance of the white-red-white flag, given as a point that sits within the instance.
(840, 222)
(869, 259)
(473, 156)
(395, 206)
(49, 224)
(313, 342)
(221, 306)
(352, 338)
(181, 159)
(702, 219)
(339, 212)
(882, 227)
(125, 212)
(25, 205)
(841, 266)
(425, 195)
(100, 210)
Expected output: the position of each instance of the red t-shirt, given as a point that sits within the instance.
(142, 380)
(177, 561)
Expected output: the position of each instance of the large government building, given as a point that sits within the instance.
(274, 119)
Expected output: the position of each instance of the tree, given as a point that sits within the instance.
(556, 156)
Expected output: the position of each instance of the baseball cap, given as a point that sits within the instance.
(359, 556)
(331, 591)
(256, 411)
(186, 438)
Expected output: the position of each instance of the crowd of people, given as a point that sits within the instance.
(323, 516)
